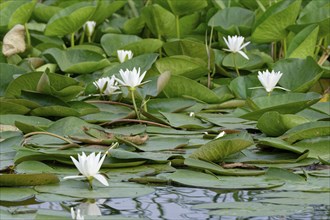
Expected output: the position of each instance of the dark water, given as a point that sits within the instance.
(174, 203)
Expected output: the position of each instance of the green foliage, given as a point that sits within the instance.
(193, 89)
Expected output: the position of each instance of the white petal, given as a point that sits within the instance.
(77, 164)
(101, 179)
(244, 45)
(100, 162)
(73, 177)
(243, 54)
(279, 87)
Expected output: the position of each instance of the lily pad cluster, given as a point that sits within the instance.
(205, 111)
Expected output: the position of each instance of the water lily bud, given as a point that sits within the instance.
(89, 28)
(14, 41)
(124, 55)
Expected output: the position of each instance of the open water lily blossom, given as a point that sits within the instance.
(107, 85)
(270, 79)
(89, 167)
(124, 55)
(235, 45)
(131, 78)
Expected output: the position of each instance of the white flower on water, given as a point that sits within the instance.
(124, 55)
(89, 167)
(89, 28)
(107, 85)
(221, 134)
(270, 79)
(131, 78)
(76, 214)
(234, 44)
(192, 114)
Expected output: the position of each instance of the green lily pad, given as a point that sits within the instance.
(271, 25)
(15, 12)
(16, 194)
(180, 86)
(77, 60)
(70, 19)
(80, 189)
(285, 104)
(184, 121)
(275, 124)
(249, 209)
(299, 75)
(218, 149)
(228, 20)
(216, 169)
(307, 130)
(198, 179)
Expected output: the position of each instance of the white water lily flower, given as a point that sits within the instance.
(131, 78)
(192, 114)
(89, 167)
(221, 134)
(270, 79)
(124, 55)
(76, 214)
(234, 44)
(89, 28)
(107, 85)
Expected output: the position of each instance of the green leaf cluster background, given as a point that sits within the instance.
(271, 141)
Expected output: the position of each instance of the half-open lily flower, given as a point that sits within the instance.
(107, 85)
(131, 78)
(89, 167)
(270, 79)
(76, 214)
(124, 55)
(89, 28)
(221, 134)
(234, 44)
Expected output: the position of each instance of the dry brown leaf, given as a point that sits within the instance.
(14, 41)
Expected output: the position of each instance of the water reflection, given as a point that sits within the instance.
(175, 203)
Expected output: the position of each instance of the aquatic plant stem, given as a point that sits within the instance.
(90, 183)
(50, 134)
(177, 24)
(72, 40)
(133, 8)
(262, 7)
(234, 59)
(284, 47)
(28, 37)
(82, 38)
(132, 90)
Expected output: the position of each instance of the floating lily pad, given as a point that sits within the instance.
(249, 209)
(77, 60)
(286, 104)
(198, 179)
(218, 149)
(79, 189)
(16, 194)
